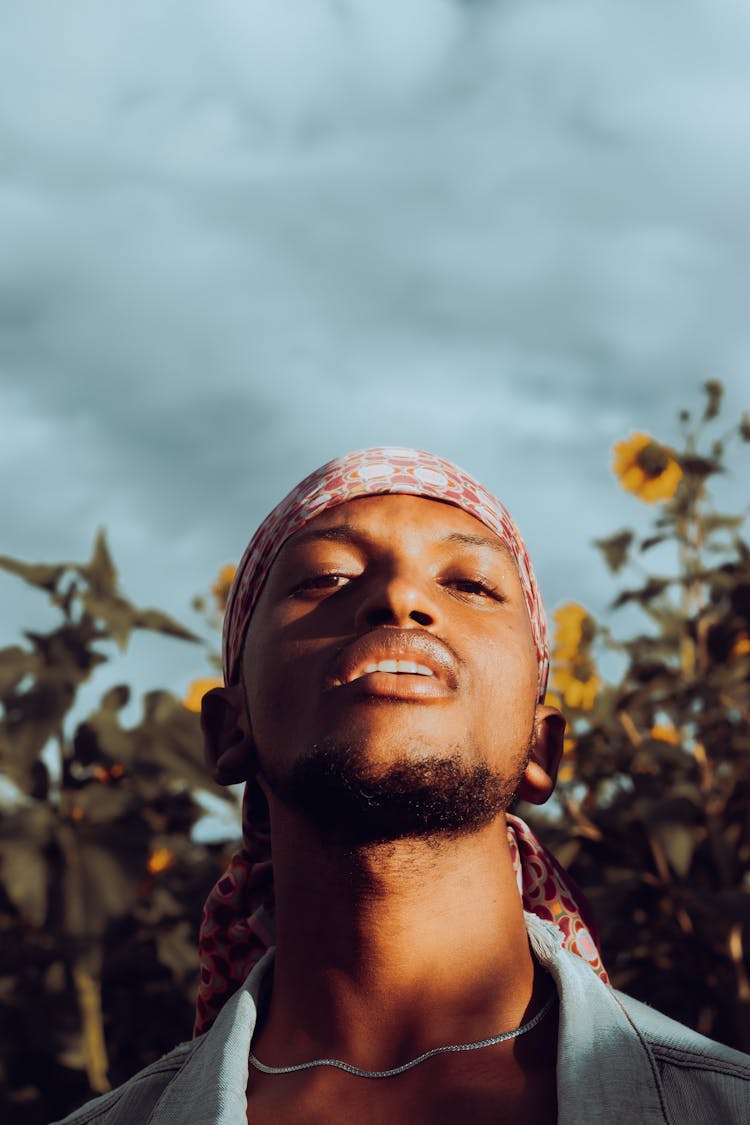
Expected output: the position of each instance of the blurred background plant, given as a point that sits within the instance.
(101, 886)
(102, 883)
(653, 809)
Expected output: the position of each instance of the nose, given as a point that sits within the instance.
(400, 599)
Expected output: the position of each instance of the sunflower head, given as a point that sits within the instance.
(223, 584)
(646, 468)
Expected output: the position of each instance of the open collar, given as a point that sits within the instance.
(605, 1070)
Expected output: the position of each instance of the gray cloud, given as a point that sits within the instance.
(235, 244)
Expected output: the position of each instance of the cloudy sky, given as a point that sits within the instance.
(237, 238)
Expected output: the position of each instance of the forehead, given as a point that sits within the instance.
(392, 516)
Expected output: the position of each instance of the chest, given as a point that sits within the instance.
(480, 1094)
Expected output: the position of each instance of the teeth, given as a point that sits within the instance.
(403, 666)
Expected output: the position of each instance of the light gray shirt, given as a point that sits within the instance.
(618, 1061)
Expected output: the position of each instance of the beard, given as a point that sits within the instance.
(432, 798)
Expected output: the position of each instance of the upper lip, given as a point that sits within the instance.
(390, 643)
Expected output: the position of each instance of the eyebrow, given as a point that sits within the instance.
(345, 533)
(464, 538)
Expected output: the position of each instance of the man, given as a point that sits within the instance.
(415, 954)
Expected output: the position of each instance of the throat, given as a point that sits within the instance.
(418, 946)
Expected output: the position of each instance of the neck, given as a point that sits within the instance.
(395, 949)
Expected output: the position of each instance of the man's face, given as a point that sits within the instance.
(392, 629)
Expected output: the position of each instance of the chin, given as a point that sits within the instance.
(354, 797)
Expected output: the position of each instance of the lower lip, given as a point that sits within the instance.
(406, 686)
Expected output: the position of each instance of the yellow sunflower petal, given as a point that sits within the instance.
(569, 620)
(196, 691)
(664, 732)
(222, 585)
(662, 487)
(624, 453)
(160, 860)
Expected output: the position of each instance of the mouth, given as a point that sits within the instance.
(392, 668)
(397, 662)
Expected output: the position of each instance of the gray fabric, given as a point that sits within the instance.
(618, 1061)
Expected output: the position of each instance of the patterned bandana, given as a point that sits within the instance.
(372, 472)
(238, 918)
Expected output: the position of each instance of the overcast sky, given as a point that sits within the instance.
(237, 238)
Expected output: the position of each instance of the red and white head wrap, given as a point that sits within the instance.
(238, 924)
(373, 472)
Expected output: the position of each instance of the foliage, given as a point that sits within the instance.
(655, 787)
(101, 888)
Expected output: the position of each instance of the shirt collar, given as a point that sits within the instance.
(605, 1070)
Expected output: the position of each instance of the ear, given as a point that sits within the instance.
(540, 775)
(227, 736)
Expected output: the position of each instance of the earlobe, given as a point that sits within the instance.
(540, 775)
(227, 737)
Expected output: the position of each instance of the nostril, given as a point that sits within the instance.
(419, 617)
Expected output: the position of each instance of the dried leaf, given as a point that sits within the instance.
(714, 393)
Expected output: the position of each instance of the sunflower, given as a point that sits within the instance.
(646, 468)
(576, 692)
(161, 859)
(196, 691)
(665, 732)
(222, 585)
(569, 628)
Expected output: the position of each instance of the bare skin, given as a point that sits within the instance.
(394, 948)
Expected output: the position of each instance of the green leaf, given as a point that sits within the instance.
(15, 663)
(653, 541)
(30, 721)
(103, 804)
(101, 572)
(116, 698)
(176, 949)
(158, 622)
(169, 742)
(718, 521)
(115, 613)
(24, 873)
(44, 575)
(25, 834)
(653, 588)
(615, 549)
(100, 738)
(100, 879)
(679, 842)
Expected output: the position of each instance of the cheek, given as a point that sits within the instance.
(509, 674)
(279, 680)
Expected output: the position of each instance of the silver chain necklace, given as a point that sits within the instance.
(414, 1062)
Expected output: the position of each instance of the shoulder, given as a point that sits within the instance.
(136, 1098)
(695, 1072)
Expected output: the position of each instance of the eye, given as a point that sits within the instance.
(320, 583)
(478, 587)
